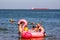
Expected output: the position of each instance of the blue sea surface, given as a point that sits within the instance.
(50, 20)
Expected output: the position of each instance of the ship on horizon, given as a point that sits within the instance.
(39, 8)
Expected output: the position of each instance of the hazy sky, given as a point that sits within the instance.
(28, 4)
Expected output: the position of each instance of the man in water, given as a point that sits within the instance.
(39, 28)
(33, 27)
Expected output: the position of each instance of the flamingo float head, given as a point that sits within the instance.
(22, 21)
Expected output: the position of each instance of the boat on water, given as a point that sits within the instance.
(29, 33)
(39, 8)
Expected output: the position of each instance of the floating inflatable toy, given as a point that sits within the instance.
(28, 33)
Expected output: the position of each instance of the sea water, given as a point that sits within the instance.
(49, 19)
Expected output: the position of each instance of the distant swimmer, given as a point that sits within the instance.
(11, 20)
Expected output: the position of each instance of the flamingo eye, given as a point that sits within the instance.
(21, 22)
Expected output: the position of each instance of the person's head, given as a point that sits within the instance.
(32, 23)
(33, 27)
(37, 25)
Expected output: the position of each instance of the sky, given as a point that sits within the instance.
(28, 4)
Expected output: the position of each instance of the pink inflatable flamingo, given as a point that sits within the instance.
(29, 34)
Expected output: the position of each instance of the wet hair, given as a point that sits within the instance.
(33, 26)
